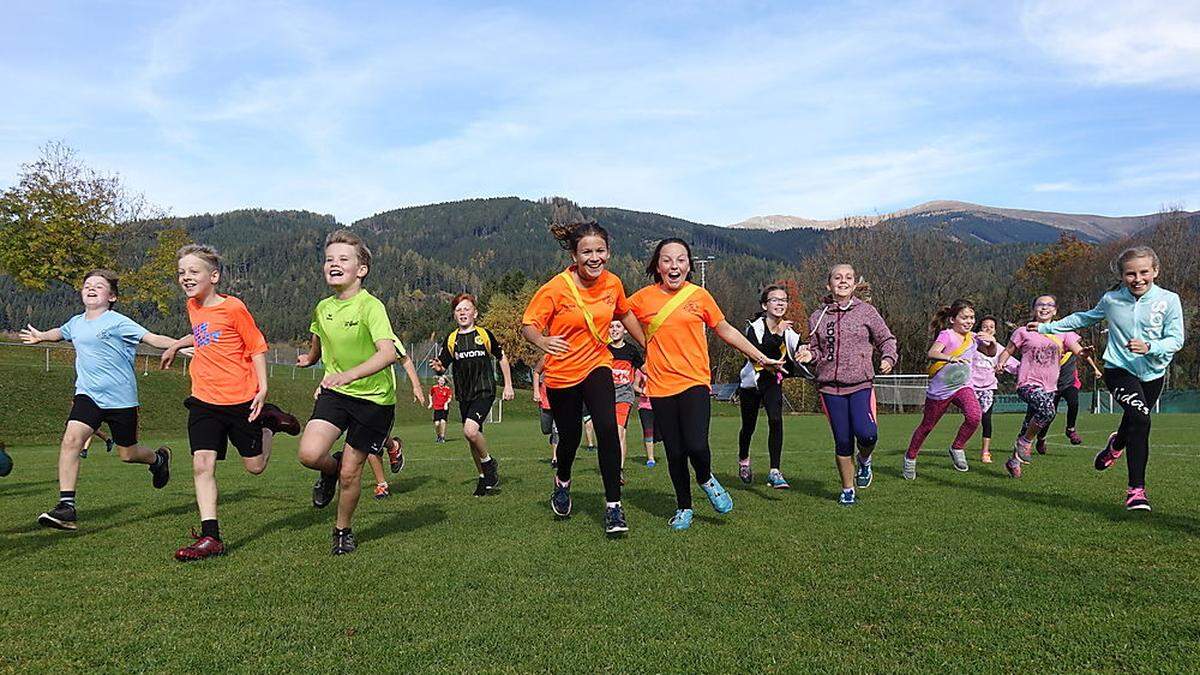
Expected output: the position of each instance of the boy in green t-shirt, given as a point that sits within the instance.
(352, 333)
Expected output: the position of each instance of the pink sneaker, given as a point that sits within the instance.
(1014, 467)
(1135, 500)
(1109, 455)
(1074, 437)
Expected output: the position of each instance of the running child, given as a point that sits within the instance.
(352, 335)
(771, 334)
(1037, 377)
(675, 313)
(545, 416)
(105, 344)
(1145, 329)
(229, 390)
(953, 350)
(1068, 386)
(646, 417)
(843, 336)
(568, 319)
(470, 349)
(984, 383)
(627, 373)
(440, 396)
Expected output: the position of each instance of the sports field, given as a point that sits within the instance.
(954, 571)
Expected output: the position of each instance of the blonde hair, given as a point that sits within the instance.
(206, 253)
(347, 237)
(862, 289)
(1133, 253)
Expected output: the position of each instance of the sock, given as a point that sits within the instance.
(341, 530)
(612, 504)
(481, 475)
(485, 460)
(66, 497)
(209, 528)
(864, 461)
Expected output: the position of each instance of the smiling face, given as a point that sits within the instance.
(591, 255)
(97, 293)
(616, 331)
(777, 303)
(1139, 274)
(964, 321)
(673, 266)
(1044, 308)
(841, 282)
(196, 278)
(342, 266)
(987, 326)
(465, 314)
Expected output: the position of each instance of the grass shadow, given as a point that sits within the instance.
(296, 521)
(422, 515)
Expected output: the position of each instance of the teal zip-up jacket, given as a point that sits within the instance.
(1156, 318)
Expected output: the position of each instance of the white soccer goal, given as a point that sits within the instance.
(899, 390)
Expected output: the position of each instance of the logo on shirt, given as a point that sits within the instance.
(103, 334)
(203, 337)
(350, 324)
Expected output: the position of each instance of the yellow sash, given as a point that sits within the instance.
(968, 340)
(601, 335)
(452, 340)
(1066, 353)
(669, 308)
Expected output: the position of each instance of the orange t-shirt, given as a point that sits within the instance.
(226, 337)
(677, 355)
(553, 307)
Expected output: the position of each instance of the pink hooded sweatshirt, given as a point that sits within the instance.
(843, 340)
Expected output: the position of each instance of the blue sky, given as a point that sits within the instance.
(711, 111)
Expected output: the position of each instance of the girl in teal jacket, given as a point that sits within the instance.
(1145, 329)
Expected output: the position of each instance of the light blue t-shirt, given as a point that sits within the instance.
(104, 354)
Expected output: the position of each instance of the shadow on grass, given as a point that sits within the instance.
(423, 515)
(408, 485)
(304, 517)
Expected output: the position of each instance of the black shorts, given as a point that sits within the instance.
(214, 427)
(367, 424)
(122, 422)
(477, 409)
(441, 415)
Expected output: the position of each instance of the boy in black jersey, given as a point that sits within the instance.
(470, 349)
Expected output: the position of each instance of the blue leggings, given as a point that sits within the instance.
(852, 417)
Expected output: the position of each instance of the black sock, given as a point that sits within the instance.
(209, 528)
(66, 497)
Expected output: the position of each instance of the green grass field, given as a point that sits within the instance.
(952, 572)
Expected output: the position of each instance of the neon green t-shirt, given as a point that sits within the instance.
(348, 330)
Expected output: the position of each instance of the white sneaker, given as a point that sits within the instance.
(959, 459)
(910, 469)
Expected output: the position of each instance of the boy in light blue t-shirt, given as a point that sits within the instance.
(105, 389)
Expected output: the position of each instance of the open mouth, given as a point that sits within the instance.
(336, 273)
(188, 286)
(674, 276)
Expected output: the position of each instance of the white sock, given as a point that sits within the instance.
(485, 460)
(612, 504)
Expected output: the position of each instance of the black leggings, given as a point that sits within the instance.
(566, 405)
(1071, 396)
(1137, 399)
(772, 400)
(985, 422)
(682, 422)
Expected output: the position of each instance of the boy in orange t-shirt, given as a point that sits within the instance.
(229, 389)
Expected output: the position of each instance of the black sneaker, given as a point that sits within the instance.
(163, 473)
(61, 517)
(343, 542)
(614, 520)
(326, 485)
(395, 453)
(481, 486)
(275, 419)
(108, 445)
(560, 500)
(491, 477)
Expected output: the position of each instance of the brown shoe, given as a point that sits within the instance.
(201, 548)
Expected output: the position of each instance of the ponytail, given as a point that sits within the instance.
(948, 312)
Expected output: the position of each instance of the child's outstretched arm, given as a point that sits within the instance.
(734, 338)
(32, 336)
(159, 341)
(168, 356)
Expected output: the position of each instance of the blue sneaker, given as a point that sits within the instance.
(560, 501)
(718, 496)
(650, 464)
(776, 480)
(682, 519)
(6, 462)
(614, 520)
(847, 498)
(864, 476)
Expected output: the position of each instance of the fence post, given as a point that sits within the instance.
(47, 359)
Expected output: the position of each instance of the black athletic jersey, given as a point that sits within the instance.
(626, 360)
(1066, 372)
(474, 372)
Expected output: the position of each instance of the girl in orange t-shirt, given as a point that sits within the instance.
(229, 389)
(568, 318)
(678, 370)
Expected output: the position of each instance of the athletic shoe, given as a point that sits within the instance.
(108, 444)
(61, 517)
(718, 496)
(277, 420)
(682, 519)
(553, 463)
(1109, 455)
(162, 474)
(343, 542)
(910, 469)
(959, 459)
(1014, 467)
(381, 491)
(326, 486)
(776, 480)
(1041, 446)
(744, 472)
(201, 548)
(395, 451)
(6, 462)
(1074, 437)
(847, 498)
(83, 453)
(480, 487)
(614, 520)
(560, 500)
(986, 457)
(1022, 451)
(1135, 500)
(491, 477)
(864, 476)
(650, 464)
